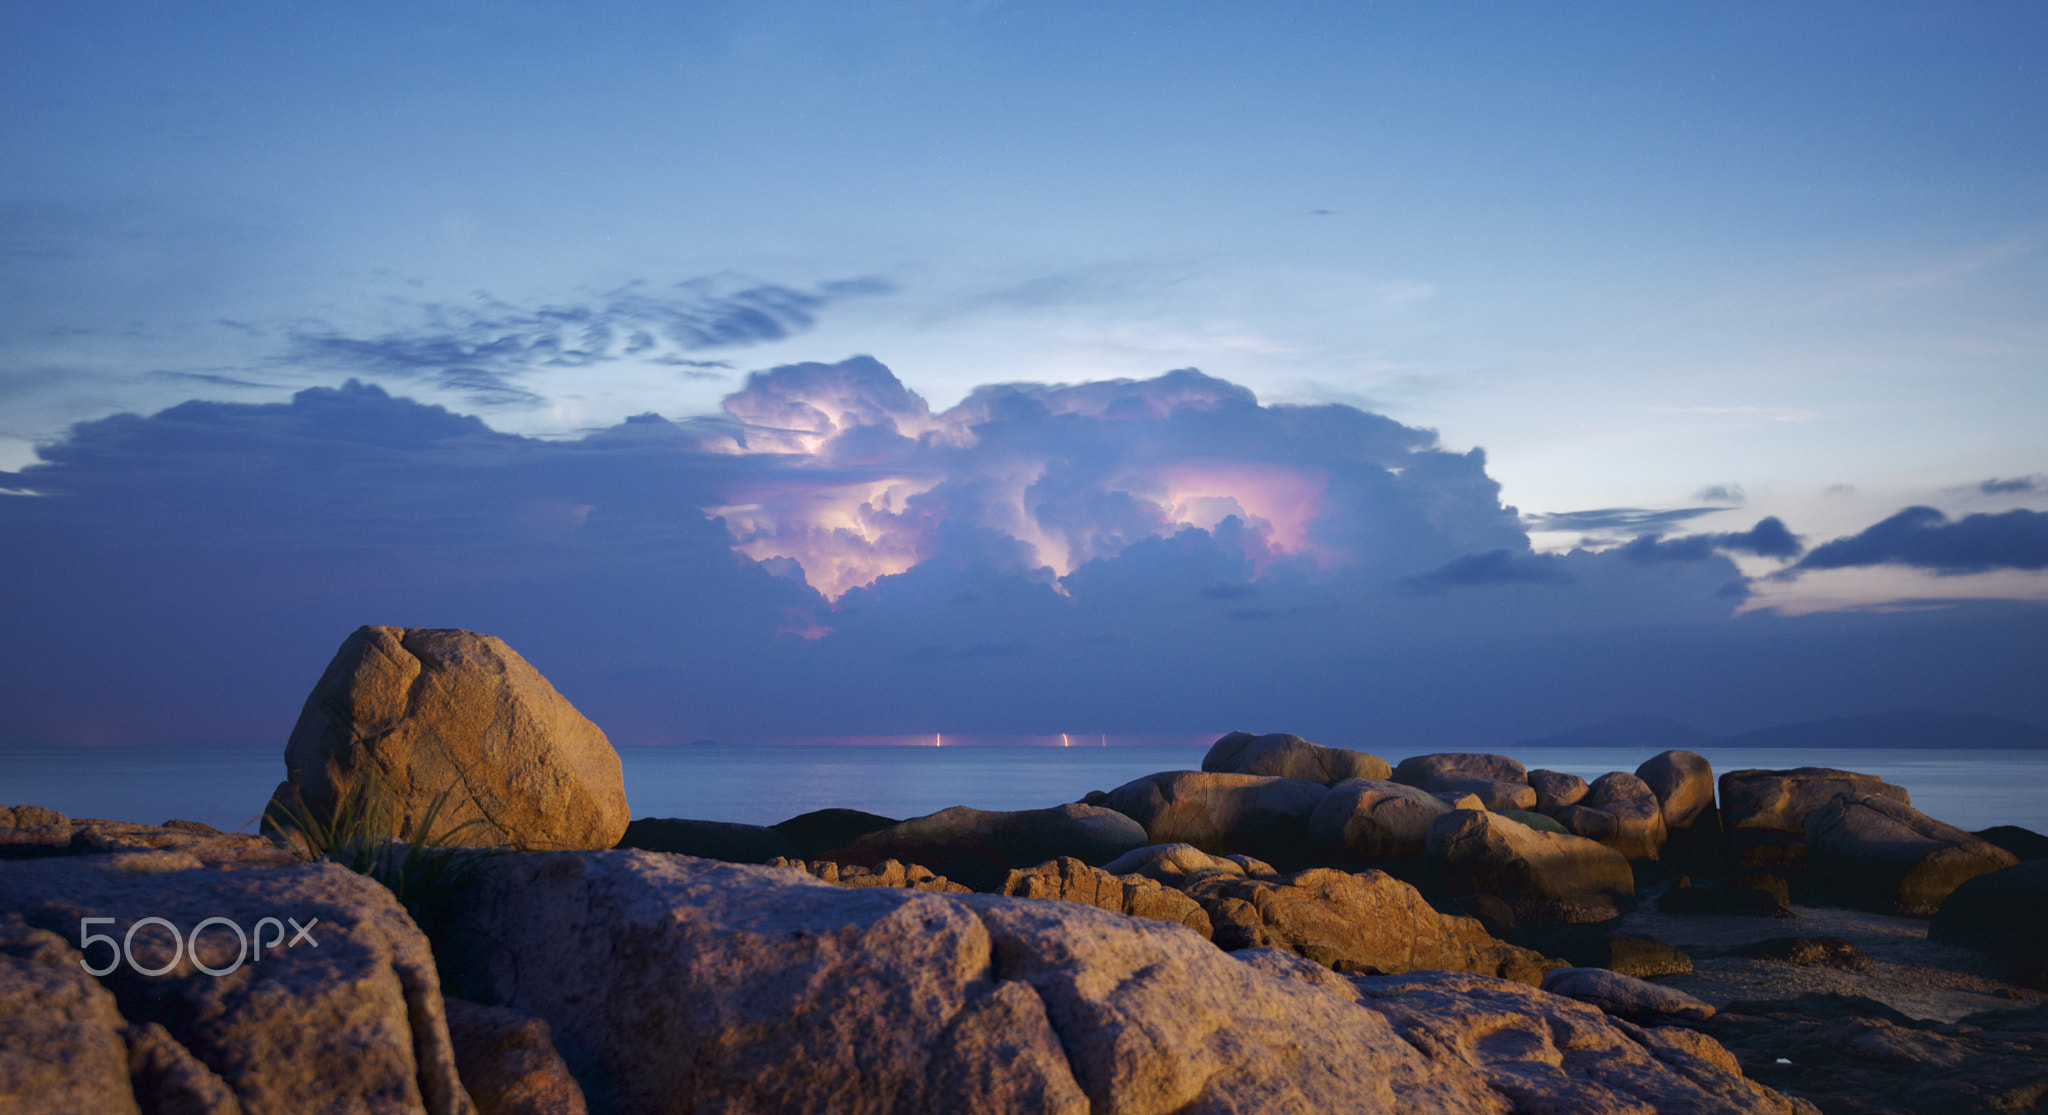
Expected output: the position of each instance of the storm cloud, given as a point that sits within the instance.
(830, 556)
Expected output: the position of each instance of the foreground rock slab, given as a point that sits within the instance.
(756, 990)
(425, 710)
(348, 1019)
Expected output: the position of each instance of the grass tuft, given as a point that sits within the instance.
(417, 862)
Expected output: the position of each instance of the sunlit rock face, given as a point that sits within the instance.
(869, 482)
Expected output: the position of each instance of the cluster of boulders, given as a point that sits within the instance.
(1291, 927)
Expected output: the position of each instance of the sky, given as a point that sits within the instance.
(1393, 374)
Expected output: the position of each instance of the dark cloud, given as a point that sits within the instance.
(1494, 567)
(1768, 538)
(2013, 486)
(481, 350)
(1617, 520)
(833, 557)
(1925, 538)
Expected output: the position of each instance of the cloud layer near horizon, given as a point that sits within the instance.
(832, 557)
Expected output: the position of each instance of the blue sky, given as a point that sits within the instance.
(1676, 272)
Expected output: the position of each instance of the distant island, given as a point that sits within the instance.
(1909, 729)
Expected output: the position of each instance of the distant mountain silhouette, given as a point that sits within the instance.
(1637, 730)
(1922, 730)
(1911, 729)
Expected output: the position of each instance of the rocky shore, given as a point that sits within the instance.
(1290, 928)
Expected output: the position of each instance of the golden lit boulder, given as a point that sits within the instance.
(409, 712)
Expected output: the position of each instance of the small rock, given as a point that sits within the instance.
(1622, 995)
(509, 1063)
(1809, 952)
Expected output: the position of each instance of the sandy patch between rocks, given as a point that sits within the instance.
(1915, 976)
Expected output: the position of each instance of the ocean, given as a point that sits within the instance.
(227, 787)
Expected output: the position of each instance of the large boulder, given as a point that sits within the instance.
(1542, 876)
(979, 848)
(1683, 783)
(1070, 880)
(2002, 914)
(1556, 789)
(1764, 812)
(1369, 922)
(416, 711)
(1280, 755)
(1620, 812)
(1500, 782)
(1369, 819)
(1223, 813)
(1173, 864)
(756, 990)
(346, 1016)
(1880, 854)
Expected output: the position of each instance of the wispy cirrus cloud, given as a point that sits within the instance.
(484, 351)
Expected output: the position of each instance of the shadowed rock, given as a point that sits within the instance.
(1853, 1054)
(820, 829)
(1764, 812)
(2024, 843)
(420, 711)
(979, 848)
(1286, 756)
(509, 1063)
(2002, 914)
(1880, 854)
(726, 840)
(1223, 813)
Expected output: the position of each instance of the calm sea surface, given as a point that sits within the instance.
(227, 787)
